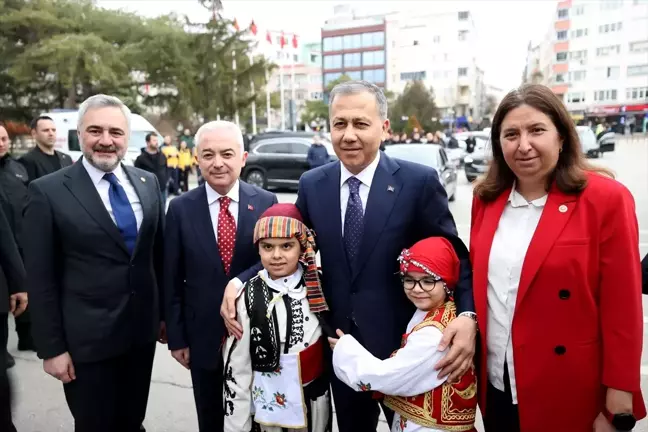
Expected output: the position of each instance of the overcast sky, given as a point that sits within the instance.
(504, 26)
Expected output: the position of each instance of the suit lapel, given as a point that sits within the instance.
(328, 197)
(383, 193)
(492, 214)
(204, 228)
(146, 201)
(557, 212)
(248, 212)
(80, 185)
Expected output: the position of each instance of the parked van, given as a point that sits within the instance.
(67, 139)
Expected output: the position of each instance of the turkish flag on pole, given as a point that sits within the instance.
(283, 40)
(269, 38)
(236, 26)
(294, 41)
(253, 28)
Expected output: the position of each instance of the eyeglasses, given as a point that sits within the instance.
(427, 284)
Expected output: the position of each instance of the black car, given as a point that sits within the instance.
(255, 139)
(279, 162)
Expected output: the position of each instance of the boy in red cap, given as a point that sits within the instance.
(420, 399)
(274, 377)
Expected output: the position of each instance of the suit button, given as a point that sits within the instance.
(306, 319)
(560, 350)
(564, 294)
(306, 344)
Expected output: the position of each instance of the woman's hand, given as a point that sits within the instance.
(334, 341)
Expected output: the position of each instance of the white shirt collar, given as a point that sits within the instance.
(365, 176)
(287, 285)
(517, 200)
(96, 175)
(213, 196)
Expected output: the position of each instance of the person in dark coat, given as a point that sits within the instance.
(43, 159)
(644, 271)
(153, 161)
(318, 155)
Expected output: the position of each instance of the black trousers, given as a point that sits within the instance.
(5, 387)
(208, 394)
(111, 395)
(501, 414)
(357, 411)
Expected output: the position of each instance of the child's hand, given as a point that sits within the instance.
(333, 341)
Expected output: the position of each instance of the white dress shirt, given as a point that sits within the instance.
(214, 204)
(103, 186)
(510, 243)
(365, 176)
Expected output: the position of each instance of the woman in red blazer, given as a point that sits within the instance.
(557, 279)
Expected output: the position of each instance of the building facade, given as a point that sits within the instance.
(599, 61)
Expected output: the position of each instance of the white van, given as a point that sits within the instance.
(67, 140)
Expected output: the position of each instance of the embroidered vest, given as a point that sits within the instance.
(264, 333)
(450, 407)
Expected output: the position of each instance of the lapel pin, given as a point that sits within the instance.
(562, 208)
(250, 207)
(143, 179)
(390, 188)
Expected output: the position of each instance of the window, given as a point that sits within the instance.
(635, 93)
(413, 76)
(462, 72)
(373, 39)
(316, 96)
(352, 41)
(559, 78)
(609, 28)
(605, 95)
(638, 70)
(352, 60)
(463, 35)
(561, 56)
(579, 10)
(274, 148)
(611, 4)
(328, 77)
(578, 55)
(608, 50)
(333, 43)
(577, 76)
(295, 58)
(314, 58)
(576, 97)
(639, 47)
(354, 75)
(73, 140)
(373, 58)
(464, 15)
(333, 61)
(374, 76)
(563, 13)
(579, 33)
(299, 148)
(561, 35)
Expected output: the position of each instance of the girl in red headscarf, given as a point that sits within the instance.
(413, 390)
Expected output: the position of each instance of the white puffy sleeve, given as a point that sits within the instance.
(409, 372)
(238, 376)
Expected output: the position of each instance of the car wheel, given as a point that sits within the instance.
(471, 178)
(256, 178)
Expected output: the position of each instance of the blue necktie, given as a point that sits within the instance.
(353, 221)
(123, 212)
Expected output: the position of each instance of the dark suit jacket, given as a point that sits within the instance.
(406, 204)
(87, 294)
(36, 165)
(644, 273)
(194, 276)
(12, 272)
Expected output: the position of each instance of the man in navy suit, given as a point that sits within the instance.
(365, 209)
(208, 244)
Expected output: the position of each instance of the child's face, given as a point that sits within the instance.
(280, 256)
(423, 291)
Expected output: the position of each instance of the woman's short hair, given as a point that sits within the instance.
(570, 174)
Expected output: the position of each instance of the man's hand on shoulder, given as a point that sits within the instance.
(228, 310)
(460, 335)
(60, 367)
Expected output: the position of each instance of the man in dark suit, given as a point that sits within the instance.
(208, 244)
(644, 274)
(43, 159)
(12, 299)
(93, 255)
(365, 208)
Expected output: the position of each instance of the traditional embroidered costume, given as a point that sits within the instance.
(274, 377)
(421, 401)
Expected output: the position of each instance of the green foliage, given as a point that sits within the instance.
(343, 78)
(56, 53)
(314, 111)
(414, 107)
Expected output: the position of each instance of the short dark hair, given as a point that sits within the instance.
(148, 136)
(34, 123)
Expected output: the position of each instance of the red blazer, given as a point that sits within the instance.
(578, 323)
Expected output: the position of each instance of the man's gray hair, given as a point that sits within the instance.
(220, 125)
(354, 87)
(103, 101)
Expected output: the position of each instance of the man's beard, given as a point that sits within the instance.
(104, 164)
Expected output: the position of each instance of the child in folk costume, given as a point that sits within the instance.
(274, 377)
(420, 399)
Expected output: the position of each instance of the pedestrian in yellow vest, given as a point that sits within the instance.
(171, 153)
(185, 165)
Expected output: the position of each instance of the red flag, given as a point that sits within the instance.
(294, 41)
(253, 28)
(269, 38)
(236, 26)
(283, 40)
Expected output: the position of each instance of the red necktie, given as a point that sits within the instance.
(226, 233)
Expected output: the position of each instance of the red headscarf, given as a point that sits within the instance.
(434, 256)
